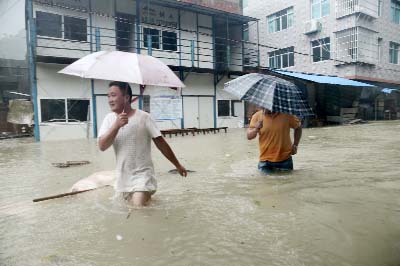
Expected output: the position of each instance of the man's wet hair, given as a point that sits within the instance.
(124, 87)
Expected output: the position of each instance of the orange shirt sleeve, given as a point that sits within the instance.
(294, 122)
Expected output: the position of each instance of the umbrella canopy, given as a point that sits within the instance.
(126, 67)
(269, 92)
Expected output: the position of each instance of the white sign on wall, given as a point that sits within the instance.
(166, 107)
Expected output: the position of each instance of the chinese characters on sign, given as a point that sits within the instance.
(157, 15)
(166, 107)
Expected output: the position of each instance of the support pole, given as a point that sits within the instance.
(138, 38)
(228, 48)
(258, 45)
(31, 43)
(94, 105)
(181, 74)
(215, 72)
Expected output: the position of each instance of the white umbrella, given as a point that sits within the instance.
(126, 67)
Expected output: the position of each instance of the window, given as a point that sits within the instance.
(146, 103)
(52, 109)
(281, 58)
(125, 32)
(169, 41)
(394, 53)
(78, 110)
(224, 108)
(154, 35)
(246, 34)
(380, 41)
(48, 24)
(280, 20)
(75, 29)
(57, 26)
(321, 49)
(230, 108)
(319, 8)
(237, 108)
(395, 10)
(380, 7)
(64, 110)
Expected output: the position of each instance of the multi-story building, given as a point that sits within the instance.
(354, 39)
(202, 41)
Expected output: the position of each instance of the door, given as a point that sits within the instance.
(191, 112)
(198, 111)
(206, 112)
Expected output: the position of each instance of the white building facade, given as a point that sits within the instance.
(355, 39)
(201, 42)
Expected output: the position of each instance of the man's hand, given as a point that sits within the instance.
(259, 124)
(294, 149)
(182, 171)
(252, 132)
(122, 120)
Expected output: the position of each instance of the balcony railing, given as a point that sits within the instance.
(61, 37)
(348, 7)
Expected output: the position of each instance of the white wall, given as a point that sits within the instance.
(228, 121)
(58, 86)
(52, 85)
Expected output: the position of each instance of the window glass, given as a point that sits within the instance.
(48, 24)
(395, 11)
(78, 110)
(75, 29)
(154, 35)
(52, 109)
(169, 41)
(223, 108)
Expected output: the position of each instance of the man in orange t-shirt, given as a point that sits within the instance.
(276, 148)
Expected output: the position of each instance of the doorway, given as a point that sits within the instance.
(198, 111)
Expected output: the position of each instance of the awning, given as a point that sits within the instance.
(324, 79)
(389, 91)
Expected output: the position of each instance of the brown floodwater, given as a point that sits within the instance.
(340, 206)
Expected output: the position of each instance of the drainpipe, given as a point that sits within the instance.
(31, 45)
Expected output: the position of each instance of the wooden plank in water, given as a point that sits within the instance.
(61, 195)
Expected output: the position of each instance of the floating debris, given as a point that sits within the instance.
(356, 121)
(119, 237)
(174, 171)
(69, 163)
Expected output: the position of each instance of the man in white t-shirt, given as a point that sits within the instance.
(130, 132)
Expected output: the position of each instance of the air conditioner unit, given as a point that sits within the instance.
(312, 26)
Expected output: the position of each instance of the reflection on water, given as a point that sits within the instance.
(340, 206)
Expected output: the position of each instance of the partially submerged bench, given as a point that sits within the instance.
(192, 131)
